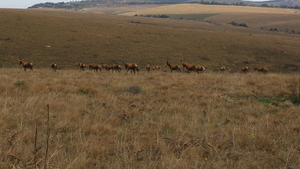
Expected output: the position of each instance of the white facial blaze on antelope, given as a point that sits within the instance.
(223, 68)
(53, 66)
(173, 67)
(148, 68)
(245, 69)
(26, 65)
(81, 66)
(133, 67)
(155, 67)
(114, 67)
(95, 67)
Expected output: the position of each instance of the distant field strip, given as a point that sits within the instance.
(181, 16)
(205, 9)
(190, 16)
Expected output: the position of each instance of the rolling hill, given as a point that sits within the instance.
(82, 119)
(100, 38)
(77, 5)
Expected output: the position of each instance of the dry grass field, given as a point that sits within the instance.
(149, 120)
(155, 120)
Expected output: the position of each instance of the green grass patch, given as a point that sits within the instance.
(265, 101)
(85, 90)
(20, 83)
(272, 101)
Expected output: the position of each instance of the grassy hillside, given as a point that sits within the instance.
(81, 119)
(156, 120)
(98, 38)
(259, 18)
(79, 5)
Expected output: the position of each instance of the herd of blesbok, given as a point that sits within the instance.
(133, 67)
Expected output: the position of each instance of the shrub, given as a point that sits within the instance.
(238, 24)
(85, 90)
(273, 29)
(133, 89)
(20, 83)
(295, 100)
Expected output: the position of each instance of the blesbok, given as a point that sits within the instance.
(200, 68)
(245, 69)
(189, 67)
(261, 69)
(131, 66)
(265, 69)
(104, 66)
(173, 67)
(223, 68)
(148, 68)
(155, 67)
(53, 66)
(114, 67)
(81, 66)
(26, 65)
(95, 67)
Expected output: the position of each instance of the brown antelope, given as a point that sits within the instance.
(95, 67)
(26, 65)
(81, 66)
(131, 66)
(245, 69)
(53, 66)
(262, 69)
(173, 67)
(155, 67)
(114, 67)
(200, 68)
(189, 67)
(148, 68)
(104, 66)
(223, 68)
(265, 69)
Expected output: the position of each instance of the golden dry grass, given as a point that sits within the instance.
(178, 120)
(207, 9)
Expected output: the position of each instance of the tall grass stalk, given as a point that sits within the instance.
(48, 136)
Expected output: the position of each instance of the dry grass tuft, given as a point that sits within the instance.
(211, 120)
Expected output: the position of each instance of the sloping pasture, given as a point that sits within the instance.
(255, 17)
(110, 39)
